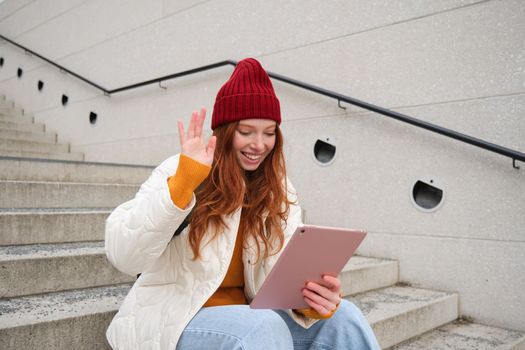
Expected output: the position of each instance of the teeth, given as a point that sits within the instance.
(252, 156)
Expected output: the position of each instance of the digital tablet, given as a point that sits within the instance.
(312, 252)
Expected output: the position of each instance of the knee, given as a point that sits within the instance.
(270, 322)
(269, 331)
(350, 315)
(350, 312)
(356, 326)
(242, 328)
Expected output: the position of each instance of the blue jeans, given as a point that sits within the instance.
(237, 327)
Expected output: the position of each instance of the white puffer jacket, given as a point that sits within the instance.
(172, 287)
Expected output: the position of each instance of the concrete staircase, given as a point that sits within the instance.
(20, 136)
(58, 291)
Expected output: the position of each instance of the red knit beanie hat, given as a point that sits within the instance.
(247, 94)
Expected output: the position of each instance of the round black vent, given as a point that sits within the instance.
(19, 72)
(1, 61)
(93, 118)
(427, 196)
(65, 99)
(40, 85)
(324, 151)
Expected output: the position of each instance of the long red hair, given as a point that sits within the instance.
(262, 194)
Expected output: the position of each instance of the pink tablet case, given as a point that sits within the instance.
(311, 252)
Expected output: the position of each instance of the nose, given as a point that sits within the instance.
(257, 143)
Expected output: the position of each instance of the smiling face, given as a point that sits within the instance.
(253, 140)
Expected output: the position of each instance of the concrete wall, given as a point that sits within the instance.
(459, 64)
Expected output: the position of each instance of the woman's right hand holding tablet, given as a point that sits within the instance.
(192, 144)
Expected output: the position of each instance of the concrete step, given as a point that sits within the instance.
(11, 109)
(22, 169)
(22, 126)
(394, 313)
(460, 335)
(28, 136)
(43, 268)
(32, 146)
(27, 194)
(363, 274)
(16, 118)
(75, 319)
(399, 313)
(37, 155)
(34, 226)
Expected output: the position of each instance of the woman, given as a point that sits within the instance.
(194, 288)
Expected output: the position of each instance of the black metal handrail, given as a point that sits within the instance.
(513, 154)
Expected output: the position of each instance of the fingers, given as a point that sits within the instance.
(181, 132)
(200, 122)
(332, 283)
(319, 308)
(196, 123)
(324, 296)
(193, 122)
(321, 295)
(318, 303)
(210, 149)
(195, 130)
(329, 292)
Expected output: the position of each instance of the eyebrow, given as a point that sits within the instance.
(254, 127)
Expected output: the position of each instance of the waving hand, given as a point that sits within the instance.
(192, 144)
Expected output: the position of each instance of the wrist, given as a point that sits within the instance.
(189, 175)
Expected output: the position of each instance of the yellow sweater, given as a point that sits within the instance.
(187, 178)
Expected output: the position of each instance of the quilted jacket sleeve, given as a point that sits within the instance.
(138, 231)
